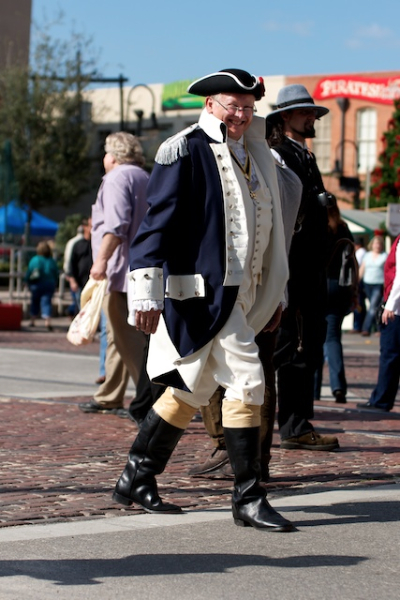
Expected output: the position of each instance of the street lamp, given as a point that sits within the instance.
(343, 104)
(140, 113)
(348, 184)
(339, 163)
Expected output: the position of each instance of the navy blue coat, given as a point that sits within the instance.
(183, 233)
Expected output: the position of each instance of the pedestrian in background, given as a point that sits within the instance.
(342, 295)
(372, 274)
(73, 308)
(119, 209)
(360, 309)
(81, 262)
(42, 280)
(384, 395)
(103, 349)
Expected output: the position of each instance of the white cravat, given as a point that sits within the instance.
(237, 147)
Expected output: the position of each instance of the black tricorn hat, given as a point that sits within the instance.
(228, 81)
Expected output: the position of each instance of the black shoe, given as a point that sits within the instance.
(340, 397)
(371, 407)
(260, 515)
(93, 407)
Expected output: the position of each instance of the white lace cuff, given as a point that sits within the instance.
(145, 291)
(142, 306)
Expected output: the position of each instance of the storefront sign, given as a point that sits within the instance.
(175, 97)
(383, 90)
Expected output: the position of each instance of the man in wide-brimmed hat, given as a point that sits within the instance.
(209, 271)
(302, 331)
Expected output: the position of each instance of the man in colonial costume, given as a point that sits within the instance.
(209, 271)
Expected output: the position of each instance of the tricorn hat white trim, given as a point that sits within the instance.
(228, 81)
(295, 96)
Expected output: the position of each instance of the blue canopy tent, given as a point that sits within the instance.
(13, 219)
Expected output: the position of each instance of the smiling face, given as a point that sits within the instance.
(237, 123)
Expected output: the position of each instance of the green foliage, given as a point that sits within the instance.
(67, 230)
(42, 116)
(8, 184)
(386, 177)
(4, 267)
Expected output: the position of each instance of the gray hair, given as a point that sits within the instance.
(125, 148)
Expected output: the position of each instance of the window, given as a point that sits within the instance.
(366, 139)
(322, 143)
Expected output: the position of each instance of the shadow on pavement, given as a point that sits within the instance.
(92, 571)
(354, 512)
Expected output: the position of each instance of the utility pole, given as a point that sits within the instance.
(93, 79)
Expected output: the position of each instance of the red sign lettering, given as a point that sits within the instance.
(383, 90)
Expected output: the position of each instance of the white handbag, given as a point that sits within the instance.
(84, 326)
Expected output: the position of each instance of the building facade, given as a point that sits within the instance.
(348, 140)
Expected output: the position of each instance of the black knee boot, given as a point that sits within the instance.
(148, 457)
(250, 507)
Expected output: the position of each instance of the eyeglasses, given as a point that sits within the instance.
(234, 110)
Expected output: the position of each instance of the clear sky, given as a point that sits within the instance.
(160, 42)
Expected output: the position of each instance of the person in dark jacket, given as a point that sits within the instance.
(81, 261)
(302, 331)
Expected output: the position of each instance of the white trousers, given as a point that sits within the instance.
(233, 363)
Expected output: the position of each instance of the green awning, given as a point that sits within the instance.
(364, 221)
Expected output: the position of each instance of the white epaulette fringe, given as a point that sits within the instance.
(174, 147)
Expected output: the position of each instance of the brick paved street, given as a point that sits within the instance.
(58, 464)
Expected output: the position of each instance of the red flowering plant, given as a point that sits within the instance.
(386, 175)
